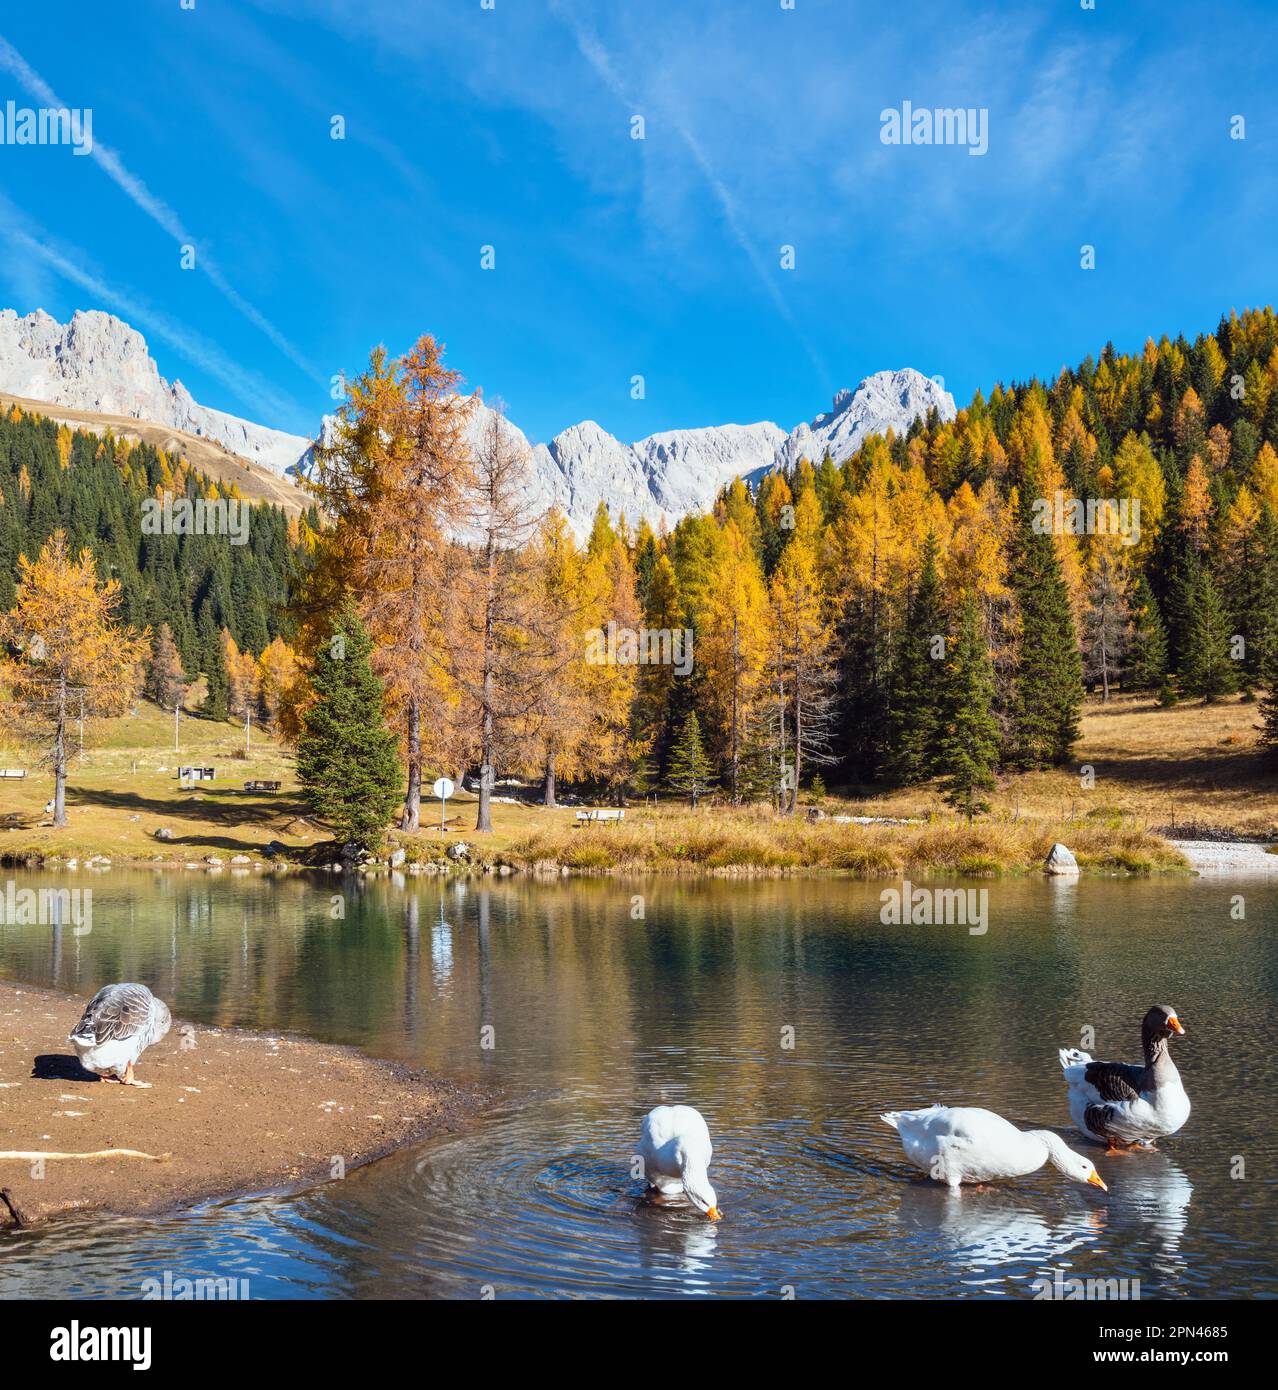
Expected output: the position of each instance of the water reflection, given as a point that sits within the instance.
(784, 1009)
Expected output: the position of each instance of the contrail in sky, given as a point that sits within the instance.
(262, 399)
(599, 59)
(155, 208)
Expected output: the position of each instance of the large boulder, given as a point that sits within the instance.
(1060, 861)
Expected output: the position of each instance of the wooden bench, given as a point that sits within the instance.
(601, 813)
(16, 772)
(259, 786)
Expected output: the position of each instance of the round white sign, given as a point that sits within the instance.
(443, 788)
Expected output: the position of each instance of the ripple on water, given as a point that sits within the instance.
(598, 1018)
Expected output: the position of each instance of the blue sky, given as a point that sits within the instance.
(511, 127)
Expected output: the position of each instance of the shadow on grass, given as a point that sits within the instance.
(238, 808)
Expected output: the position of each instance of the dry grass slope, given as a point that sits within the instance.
(1192, 765)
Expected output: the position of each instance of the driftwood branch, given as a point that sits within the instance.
(33, 1155)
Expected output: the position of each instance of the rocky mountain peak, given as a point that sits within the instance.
(97, 362)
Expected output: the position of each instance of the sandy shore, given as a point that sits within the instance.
(229, 1112)
(1227, 857)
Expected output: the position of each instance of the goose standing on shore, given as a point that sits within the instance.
(958, 1144)
(1128, 1106)
(676, 1151)
(120, 1023)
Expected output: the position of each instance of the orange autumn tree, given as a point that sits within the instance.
(394, 479)
(734, 647)
(283, 692)
(72, 656)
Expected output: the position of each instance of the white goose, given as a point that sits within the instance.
(676, 1151)
(120, 1023)
(1128, 1106)
(957, 1144)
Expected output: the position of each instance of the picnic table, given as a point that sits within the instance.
(259, 786)
(602, 813)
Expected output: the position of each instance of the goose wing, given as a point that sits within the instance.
(115, 1012)
(1115, 1081)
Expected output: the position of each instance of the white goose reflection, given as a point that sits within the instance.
(675, 1244)
(989, 1230)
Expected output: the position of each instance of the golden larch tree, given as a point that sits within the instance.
(73, 658)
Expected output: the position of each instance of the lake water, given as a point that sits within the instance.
(597, 1015)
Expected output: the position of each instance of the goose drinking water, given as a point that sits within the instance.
(1128, 1106)
(676, 1151)
(957, 1144)
(120, 1023)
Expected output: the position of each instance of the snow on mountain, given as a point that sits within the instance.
(98, 363)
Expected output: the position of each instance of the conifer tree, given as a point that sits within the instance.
(917, 688)
(278, 677)
(1208, 670)
(691, 772)
(562, 712)
(969, 735)
(217, 699)
(803, 673)
(394, 477)
(73, 657)
(347, 759)
(758, 777)
(1269, 706)
(1147, 656)
(166, 683)
(733, 648)
(1049, 678)
(658, 685)
(1106, 621)
(1248, 575)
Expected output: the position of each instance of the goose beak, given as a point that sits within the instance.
(1096, 1181)
(1174, 1024)
(714, 1214)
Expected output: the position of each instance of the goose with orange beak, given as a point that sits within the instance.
(675, 1147)
(955, 1144)
(1128, 1107)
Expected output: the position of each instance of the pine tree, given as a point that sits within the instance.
(1049, 678)
(394, 479)
(758, 777)
(1208, 670)
(1248, 575)
(969, 735)
(1106, 622)
(217, 700)
(1147, 656)
(166, 683)
(917, 690)
(1269, 706)
(803, 669)
(347, 759)
(732, 648)
(691, 772)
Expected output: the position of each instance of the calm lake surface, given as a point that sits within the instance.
(597, 1016)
